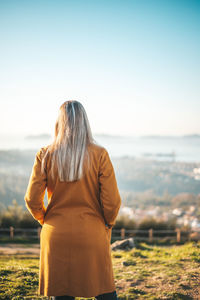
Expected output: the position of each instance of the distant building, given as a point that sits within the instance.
(177, 212)
(196, 172)
(125, 210)
(195, 224)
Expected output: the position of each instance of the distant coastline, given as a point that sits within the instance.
(104, 135)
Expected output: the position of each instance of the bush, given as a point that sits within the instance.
(157, 225)
(15, 216)
(27, 221)
(124, 222)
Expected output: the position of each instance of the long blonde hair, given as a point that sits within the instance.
(69, 149)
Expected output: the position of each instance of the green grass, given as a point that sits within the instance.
(158, 272)
(145, 272)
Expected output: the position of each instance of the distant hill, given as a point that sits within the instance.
(111, 136)
(191, 136)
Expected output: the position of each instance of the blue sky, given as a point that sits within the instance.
(134, 65)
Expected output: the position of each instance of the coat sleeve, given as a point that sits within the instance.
(34, 196)
(109, 194)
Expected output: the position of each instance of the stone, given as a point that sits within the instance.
(126, 244)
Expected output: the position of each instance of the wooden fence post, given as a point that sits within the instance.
(178, 235)
(11, 232)
(151, 235)
(122, 233)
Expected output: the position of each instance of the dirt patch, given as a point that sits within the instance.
(19, 249)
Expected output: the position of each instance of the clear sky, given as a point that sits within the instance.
(133, 64)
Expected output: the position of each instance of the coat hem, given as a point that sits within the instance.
(89, 295)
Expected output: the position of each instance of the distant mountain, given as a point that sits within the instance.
(38, 136)
(112, 136)
(191, 136)
(170, 136)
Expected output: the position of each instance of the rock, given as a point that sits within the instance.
(126, 244)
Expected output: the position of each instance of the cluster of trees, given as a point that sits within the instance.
(16, 216)
(145, 224)
(165, 201)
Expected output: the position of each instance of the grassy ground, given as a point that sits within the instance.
(145, 272)
(154, 272)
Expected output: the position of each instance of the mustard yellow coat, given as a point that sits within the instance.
(75, 253)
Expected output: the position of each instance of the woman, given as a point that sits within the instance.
(83, 203)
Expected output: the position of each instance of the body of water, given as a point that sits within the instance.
(162, 148)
